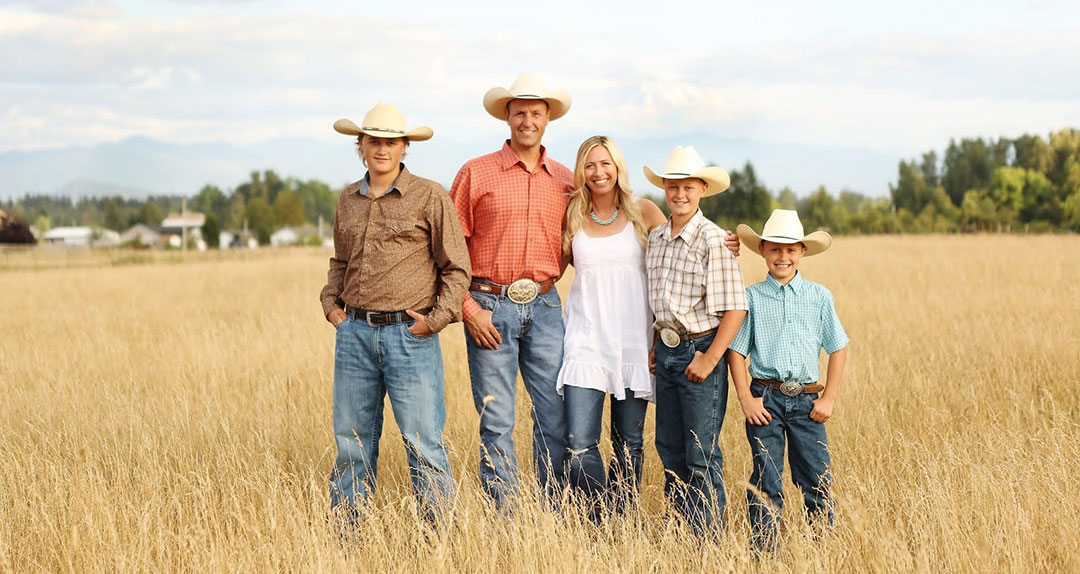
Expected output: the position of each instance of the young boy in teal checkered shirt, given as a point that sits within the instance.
(789, 321)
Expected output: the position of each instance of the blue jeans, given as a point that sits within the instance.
(688, 420)
(808, 454)
(532, 339)
(369, 363)
(584, 411)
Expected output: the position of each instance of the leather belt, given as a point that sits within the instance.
(790, 388)
(672, 338)
(380, 318)
(521, 291)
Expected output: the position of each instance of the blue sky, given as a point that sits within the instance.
(892, 79)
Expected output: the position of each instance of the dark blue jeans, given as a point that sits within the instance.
(808, 454)
(584, 412)
(370, 363)
(688, 420)
(532, 339)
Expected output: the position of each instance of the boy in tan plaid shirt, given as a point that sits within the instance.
(697, 295)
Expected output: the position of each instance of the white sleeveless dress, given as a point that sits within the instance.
(608, 321)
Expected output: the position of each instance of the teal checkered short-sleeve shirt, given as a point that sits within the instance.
(786, 328)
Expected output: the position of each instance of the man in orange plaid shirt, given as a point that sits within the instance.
(511, 204)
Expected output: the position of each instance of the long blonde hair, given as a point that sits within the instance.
(581, 199)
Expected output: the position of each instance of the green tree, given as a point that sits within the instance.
(260, 218)
(319, 200)
(819, 210)
(237, 211)
(289, 209)
(211, 231)
(112, 215)
(211, 200)
(150, 213)
(910, 192)
(787, 199)
(746, 200)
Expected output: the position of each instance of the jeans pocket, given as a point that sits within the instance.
(485, 300)
(551, 299)
(409, 334)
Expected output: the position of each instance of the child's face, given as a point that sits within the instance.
(683, 195)
(782, 258)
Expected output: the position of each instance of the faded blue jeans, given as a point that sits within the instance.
(370, 363)
(688, 420)
(584, 412)
(532, 339)
(808, 454)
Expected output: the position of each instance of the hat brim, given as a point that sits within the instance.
(816, 242)
(349, 128)
(495, 101)
(717, 178)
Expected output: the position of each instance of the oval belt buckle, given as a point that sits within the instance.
(791, 388)
(523, 291)
(670, 337)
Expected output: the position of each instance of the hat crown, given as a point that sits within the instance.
(528, 86)
(384, 118)
(783, 224)
(683, 161)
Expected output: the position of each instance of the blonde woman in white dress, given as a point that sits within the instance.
(608, 324)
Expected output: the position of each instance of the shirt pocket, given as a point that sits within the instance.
(690, 279)
(400, 233)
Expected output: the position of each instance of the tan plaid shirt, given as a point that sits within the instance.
(693, 278)
(402, 250)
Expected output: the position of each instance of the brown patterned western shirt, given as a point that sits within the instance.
(402, 250)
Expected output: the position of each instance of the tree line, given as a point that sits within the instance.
(1027, 183)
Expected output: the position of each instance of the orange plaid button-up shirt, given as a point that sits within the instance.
(512, 219)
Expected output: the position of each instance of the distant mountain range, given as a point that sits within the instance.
(139, 166)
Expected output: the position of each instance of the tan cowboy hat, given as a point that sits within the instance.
(526, 87)
(684, 163)
(784, 226)
(383, 121)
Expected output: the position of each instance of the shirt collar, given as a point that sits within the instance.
(365, 184)
(688, 230)
(509, 158)
(795, 284)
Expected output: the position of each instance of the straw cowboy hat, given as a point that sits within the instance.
(684, 163)
(527, 87)
(784, 226)
(383, 121)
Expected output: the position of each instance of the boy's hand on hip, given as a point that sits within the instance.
(700, 368)
(754, 410)
(822, 410)
(337, 317)
(419, 327)
(482, 330)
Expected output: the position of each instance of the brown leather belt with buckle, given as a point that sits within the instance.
(790, 388)
(521, 291)
(380, 318)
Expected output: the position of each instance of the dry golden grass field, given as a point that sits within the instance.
(161, 412)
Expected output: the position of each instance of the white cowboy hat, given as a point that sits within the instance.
(684, 163)
(784, 226)
(383, 121)
(527, 87)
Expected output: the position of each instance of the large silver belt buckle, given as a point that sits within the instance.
(523, 291)
(670, 337)
(791, 388)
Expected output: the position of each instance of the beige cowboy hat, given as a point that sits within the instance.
(784, 226)
(527, 87)
(685, 163)
(383, 121)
